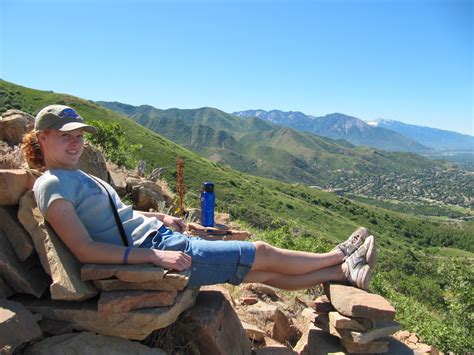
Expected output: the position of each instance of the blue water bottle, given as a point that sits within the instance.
(208, 200)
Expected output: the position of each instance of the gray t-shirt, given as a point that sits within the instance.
(92, 205)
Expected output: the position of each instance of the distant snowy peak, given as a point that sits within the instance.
(339, 126)
(381, 122)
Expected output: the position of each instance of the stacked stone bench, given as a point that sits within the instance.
(45, 291)
(361, 321)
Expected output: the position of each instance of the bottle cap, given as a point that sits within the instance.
(208, 186)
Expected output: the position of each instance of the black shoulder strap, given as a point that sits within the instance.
(116, 215)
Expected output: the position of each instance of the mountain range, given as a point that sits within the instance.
(302, 218)
(431, 137)
(383, 134)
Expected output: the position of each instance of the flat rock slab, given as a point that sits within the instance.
(340, 321)
(321, 305)
(89, 343)
(23, 277)
(374, 347)
(354, 302)
(136, 324)
(55, 257)
(16, 233)
(127, 273)
(124, 301)
(13, 184)
(170, 282)
(17, 326)
(384, 329)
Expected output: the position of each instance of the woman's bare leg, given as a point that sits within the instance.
(297, 282)
(290, 262)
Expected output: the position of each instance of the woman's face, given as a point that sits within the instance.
(61, 150)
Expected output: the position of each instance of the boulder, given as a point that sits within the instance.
(13, 125)
(127, 273)
(170, 282)
(219, 288)
(5, 290)
(11, 157)
(146, 194)
(124, 301)
(354, 302)
(92, 162)
(321, 305)
(282, 331)
(316, 341)
(54, 327)
(17, 326)
(218, 329)
(118, 181)
(383, 329)
(57, 260)
(145, 199)
(89, 343)
(16, 233)
(13, 184)
(253, 332)
(275, 350)
(374, 347)
(24, 277)
(342, 322)
(136, 324)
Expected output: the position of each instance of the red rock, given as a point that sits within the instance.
(247, 301)
(282, 330)
(354, 302)
(321, 305)
(13, 125)
(253, 332)
(127, 273)
(383, 329)
(13, 184)
(15, 232)
(17, 326)
(315, 340)
(218, 329)
(124, 301)
(23, 277)
(171, 281)
(342, 322)
(369, 348)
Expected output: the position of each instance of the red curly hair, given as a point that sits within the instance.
(32, 151)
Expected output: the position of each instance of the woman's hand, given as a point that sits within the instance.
(175, 223)
(175, 260)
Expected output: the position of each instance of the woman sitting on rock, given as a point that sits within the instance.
(78, 207)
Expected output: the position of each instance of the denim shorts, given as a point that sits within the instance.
(213, 262)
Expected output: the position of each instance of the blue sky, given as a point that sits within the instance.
(405, 60)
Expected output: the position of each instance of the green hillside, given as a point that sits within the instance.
(424, 289)
(259, 147)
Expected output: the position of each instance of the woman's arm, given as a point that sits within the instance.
(66, 223)
(169, 221)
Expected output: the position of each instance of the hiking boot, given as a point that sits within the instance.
(359, 276)
(355, 240)
(359, 265)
